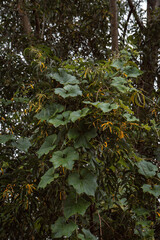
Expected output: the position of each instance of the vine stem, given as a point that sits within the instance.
(100, 224)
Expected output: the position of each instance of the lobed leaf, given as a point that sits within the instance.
(22, 144)
(60, 119)
(63, 229)
(75, 205)
(65, 158)
(48, 177)
(48, 145)
(83, 182)
(49, 111)
(69, 91)
(146, 168)
(63, 77)
(154, 190)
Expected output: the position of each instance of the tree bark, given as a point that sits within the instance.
(24, 18)
(150, 48)
(150, 45)
(114, 25)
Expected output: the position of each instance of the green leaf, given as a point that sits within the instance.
(132, 71)
(118, 64)
(69, 91)
(6, 138)
(105, 107)
(61, 119)
(49, 111)
(65, 158)
(48, 177)
(130, 118)
(92, 133)
(63, 77)
(141, 212)
(83, 182)
(61, 228)
(78, 114)
(75, 205)
(119, 82)
(84, 138)
(154, 190)
(48, 145)
(146, 168)
(22, 144)
(87, 235)
(73, 133)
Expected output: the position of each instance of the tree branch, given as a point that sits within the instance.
(140, 23)
(126, 24)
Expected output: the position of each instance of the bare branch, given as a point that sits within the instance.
(126, 25)
(139, 21)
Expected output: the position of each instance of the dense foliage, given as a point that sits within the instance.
(79, 133)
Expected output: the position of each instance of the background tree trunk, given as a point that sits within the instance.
(24, 18)
(150, 48)
(114, 25)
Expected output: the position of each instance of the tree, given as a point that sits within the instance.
(114, 25)
(78, 160)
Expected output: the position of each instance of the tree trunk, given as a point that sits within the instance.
(114, 25)
(24, 18)
(150, 48)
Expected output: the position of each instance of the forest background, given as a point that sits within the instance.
(79, 130)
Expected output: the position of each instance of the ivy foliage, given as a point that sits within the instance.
(84, 175)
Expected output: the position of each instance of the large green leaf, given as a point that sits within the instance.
(130, 118)
(69, 91)
(60, 119)
(48, 177)
(65, 158)
(73, 133)
(49, 111)
(118, 82)
(48, 145)
(117, 64)
(105, 107)
(63, 229)
(87, 235)
(22, 144)
(78, 114)
(146, 168)
(63, 77)
(132, 71)
(83, 182)
(154, 190)
(82, 137)
(75, 205)
(6, 138)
